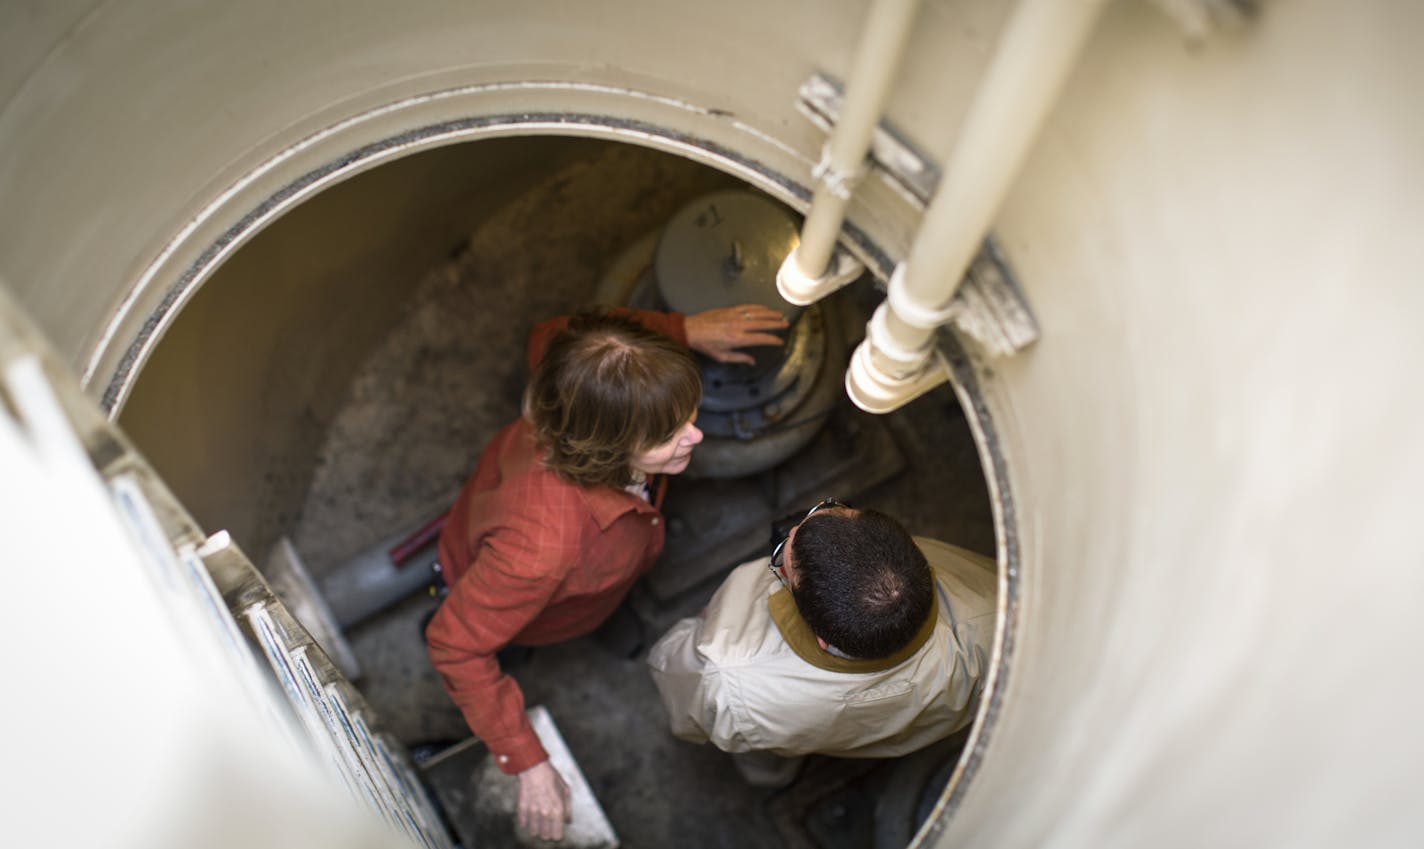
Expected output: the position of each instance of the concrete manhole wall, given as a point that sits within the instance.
(1210, 450)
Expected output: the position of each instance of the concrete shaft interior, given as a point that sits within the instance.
(1205, 470)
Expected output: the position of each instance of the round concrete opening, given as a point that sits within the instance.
(335, 379)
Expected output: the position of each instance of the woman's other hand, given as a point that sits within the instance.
(543, 801)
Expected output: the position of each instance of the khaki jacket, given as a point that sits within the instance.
(748, 675)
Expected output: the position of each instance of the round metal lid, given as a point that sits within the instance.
(723, 249)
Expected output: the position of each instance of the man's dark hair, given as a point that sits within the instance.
(606, 389)
(862, 584)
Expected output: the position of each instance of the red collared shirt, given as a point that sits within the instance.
(532, 559)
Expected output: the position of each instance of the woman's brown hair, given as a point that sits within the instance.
(606, 389)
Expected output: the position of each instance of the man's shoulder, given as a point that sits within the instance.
(968, 580)
(943, 555)
(753, 576)
(737, 629)
(743, 593)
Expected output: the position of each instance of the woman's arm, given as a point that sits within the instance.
(716, 333)
(497, 597)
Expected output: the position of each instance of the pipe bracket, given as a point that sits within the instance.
(838, 182)
(910, 171)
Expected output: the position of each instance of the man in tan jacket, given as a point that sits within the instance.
(853, 639)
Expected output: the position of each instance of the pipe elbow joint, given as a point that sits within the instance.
(875, 390)
(799, 288)
(884, 376)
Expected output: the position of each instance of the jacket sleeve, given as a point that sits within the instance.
(505, 588)
(670, 324)
(677, 668)
(702, 699)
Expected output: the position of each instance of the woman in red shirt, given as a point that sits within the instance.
(561, 515)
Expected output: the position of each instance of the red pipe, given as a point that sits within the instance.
(406, 548)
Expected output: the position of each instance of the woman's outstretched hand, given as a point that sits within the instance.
(719, 333)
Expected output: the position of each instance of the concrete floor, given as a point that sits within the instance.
(449, 375)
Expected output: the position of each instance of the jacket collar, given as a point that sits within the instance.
(605, 504)
(799, 637)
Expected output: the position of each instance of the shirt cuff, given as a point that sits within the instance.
(519, 753)
(678, 327)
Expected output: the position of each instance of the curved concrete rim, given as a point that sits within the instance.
(965, 382)
(347, 146)
(192, 255)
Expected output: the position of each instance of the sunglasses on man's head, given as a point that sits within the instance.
(781, 532)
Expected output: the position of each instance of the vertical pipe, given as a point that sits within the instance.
(1037, 53)
(1039, 46)
(806, 274)
(877, 58)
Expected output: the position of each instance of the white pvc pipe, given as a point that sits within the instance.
(808, 273)
(894, 364)
(877, 58)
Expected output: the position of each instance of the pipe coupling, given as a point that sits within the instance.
(893, 353)
(910, 310)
